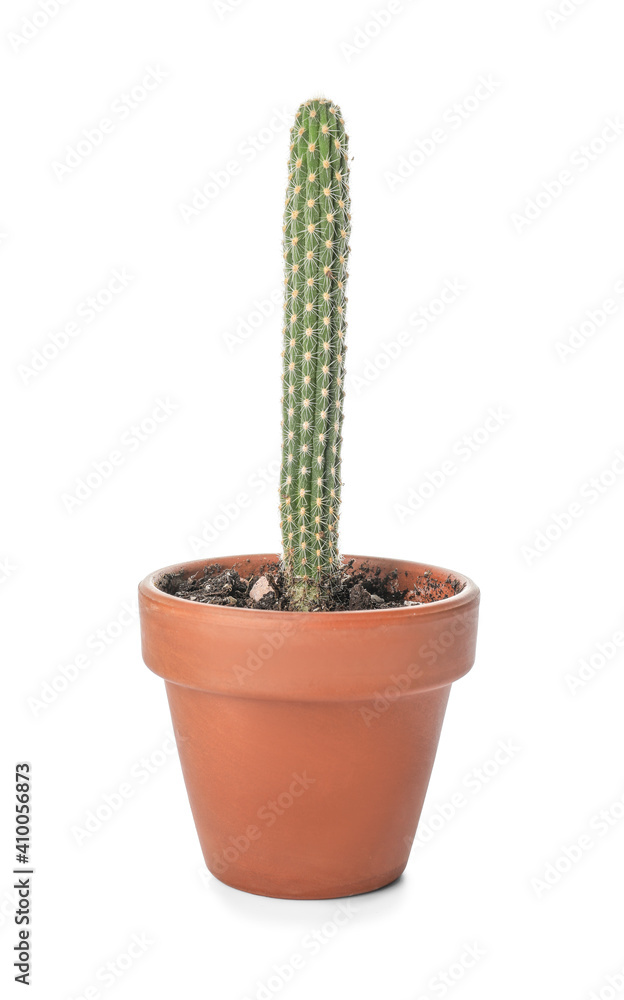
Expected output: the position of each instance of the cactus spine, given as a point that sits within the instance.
(316, 249)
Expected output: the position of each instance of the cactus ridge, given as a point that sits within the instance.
(316, 250)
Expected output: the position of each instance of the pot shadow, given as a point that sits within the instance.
(300, 911)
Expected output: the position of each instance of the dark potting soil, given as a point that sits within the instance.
(360, 589)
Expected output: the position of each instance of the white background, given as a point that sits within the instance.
(67, 572)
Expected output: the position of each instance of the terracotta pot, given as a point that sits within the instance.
(307, 740)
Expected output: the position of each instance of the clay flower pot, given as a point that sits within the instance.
(307, 739)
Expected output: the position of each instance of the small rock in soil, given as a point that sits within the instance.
(262, 593)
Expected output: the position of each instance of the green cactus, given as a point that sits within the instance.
(316, 249)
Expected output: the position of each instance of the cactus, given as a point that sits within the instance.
(316, 249)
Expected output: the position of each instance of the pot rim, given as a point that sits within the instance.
(148, 588)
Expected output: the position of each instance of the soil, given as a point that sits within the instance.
(359, 590)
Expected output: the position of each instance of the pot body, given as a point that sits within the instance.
(307, 740)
